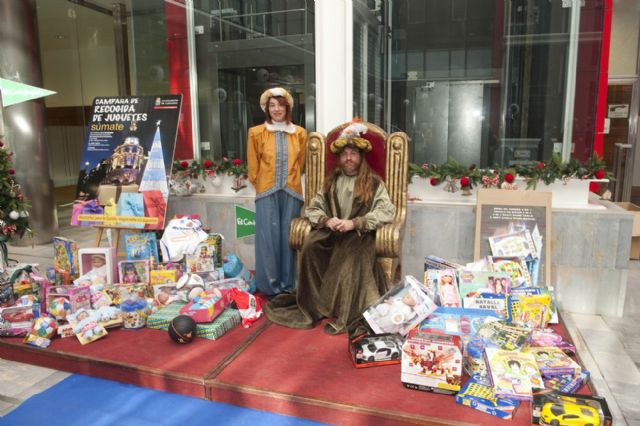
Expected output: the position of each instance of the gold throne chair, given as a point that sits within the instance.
(389, 158)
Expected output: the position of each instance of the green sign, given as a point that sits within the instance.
(14, 92)
(245, 222)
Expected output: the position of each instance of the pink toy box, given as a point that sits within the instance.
(208, 305)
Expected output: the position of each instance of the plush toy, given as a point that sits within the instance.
(182, 329)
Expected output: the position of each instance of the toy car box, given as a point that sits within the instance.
(551, 407)
(432, 362)
(370, 350)
(479, 395)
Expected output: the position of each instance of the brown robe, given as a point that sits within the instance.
(338, 277)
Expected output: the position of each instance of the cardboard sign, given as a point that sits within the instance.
(516, 223)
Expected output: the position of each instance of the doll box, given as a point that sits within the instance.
(206, 307)
(79, 297)
(105, 274)
(432, 362)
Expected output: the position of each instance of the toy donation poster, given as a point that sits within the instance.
(126, 161)
(512, 225)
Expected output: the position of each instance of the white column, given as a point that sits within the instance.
(570, 94)
(334, 63)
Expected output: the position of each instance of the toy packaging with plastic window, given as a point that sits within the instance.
(370, 350)
(551, 407)
(480, 395)
(400, 309)
(553, 361)
(432, 362)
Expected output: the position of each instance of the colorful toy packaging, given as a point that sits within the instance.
(250, 307)
(86, 327)
(134, 313)
(65, 256)
(370, 350)
(480, 395)
(401, 309)
(432, 362)
(77, 298)
(550, 407)
(16, 320)
(512, 373)
(554, 362)
(207, 305)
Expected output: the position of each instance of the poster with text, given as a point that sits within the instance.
(126, 161)
(512, 225)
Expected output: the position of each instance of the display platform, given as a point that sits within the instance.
(305, 373)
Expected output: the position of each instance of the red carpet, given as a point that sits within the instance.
(305, 373)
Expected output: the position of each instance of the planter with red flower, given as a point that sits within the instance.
(569, 182)
(185, 178)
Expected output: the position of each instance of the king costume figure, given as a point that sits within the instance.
(339, 277)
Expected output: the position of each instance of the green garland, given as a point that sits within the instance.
(548, 172)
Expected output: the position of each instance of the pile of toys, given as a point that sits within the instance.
(484, 336)
(89, 291)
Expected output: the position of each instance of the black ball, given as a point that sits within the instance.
(182, 329)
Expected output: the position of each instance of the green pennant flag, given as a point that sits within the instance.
(14, 92)
(245, 222)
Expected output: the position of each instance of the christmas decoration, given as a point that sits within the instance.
(13, 224)
(549, 172)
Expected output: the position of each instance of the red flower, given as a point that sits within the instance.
(434, 181)
(237, 162)
(207, 164)
(464, 181)
(12, 171)
(600, 174)
(508, 178)
(594, 187)
(541, 165)
(1, 144)
(184, 164)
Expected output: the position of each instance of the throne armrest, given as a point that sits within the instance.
(389, 238)
(298, 231)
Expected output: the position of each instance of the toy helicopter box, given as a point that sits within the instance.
(432, 362)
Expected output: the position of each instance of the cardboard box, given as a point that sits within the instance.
(635, 230)
(206, 307)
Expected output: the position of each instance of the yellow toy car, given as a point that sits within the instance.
(569, 414)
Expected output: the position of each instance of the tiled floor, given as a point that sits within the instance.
(609, 347)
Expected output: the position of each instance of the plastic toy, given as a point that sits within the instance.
(569, 413)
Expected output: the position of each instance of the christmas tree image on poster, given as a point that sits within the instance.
(155, 176)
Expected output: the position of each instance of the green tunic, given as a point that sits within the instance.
(339, 276)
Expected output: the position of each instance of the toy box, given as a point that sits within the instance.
(553, 361)
(207, 306)
(472, 283)
(204, 259)
(163, 276)
(489, 302)
(133, 271)
(550, 407)
(512, 373)
(566, 383)
(141, 246)
(16, 320)
(400, 309)
(480, 396)
(78, 297)
(375, 349)
(432, 362)
(65, 256)
(97, 265)
(457, 321)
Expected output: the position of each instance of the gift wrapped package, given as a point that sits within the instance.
(228, 319)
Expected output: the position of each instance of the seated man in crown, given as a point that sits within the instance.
(339, 277)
